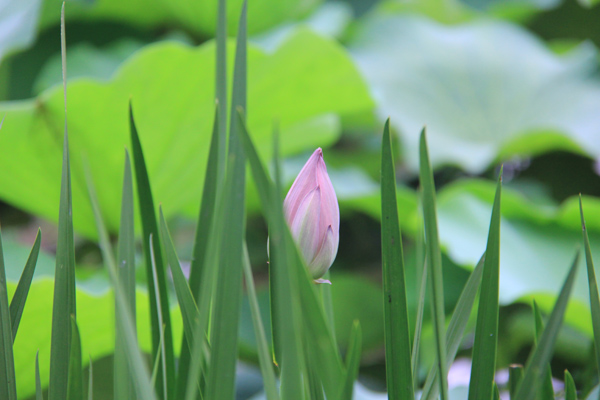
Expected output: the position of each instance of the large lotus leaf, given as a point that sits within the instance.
(195, 16)
(483, 89)
(537, 245)
(95, 317)
(303, 85)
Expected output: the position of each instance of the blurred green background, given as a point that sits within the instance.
(513, 82)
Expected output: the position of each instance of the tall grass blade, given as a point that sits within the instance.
(17, 304)
(228, 299)
(570, 390)
(8, 386)
(486, 331)
(434, 256)
(75, 390)
(162, 355)
(125, 323)
(419, 323)
(399, 376)
(545, 388)
(421, 283)
(495, 392)
(202, 237)
(91, 381)
(39, 395)
(543, 351)
(264, 357)
(150, 229)
(64, 279)
(221, 92)
(352, 362)
(187, 305)
(515, 376)
(124, 388)
(593, 286)
(456, 328)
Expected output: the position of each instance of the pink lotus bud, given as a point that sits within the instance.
(312, 212)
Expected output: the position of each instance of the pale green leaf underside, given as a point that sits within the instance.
(484, 89)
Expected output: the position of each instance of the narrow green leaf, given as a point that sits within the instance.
(150, 229)
(264, 357)
(543, 351)
(187, 305)
(399, 376)
(162, 354)
(486, 330)
(203, 230)
(91, 381)
(221, 92)
(124, 388)
(593, 286)
(456, 328)
(419, 323)
(314, 386)
(352, 362)
(421, 284)
(495, 392)
(75, 390)
(17, 304)
(8, 387)
(545, 389)
(228, 299)
(515, 376)
(434, 256)
(64, 280)
(570, 390)
(156, 363)
(38, 383)
(125, 323)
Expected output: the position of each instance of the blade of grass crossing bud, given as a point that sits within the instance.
(496, 392)
(515, 376)
(352, 362)
(203, 230)
(456, 328)
(75, 391)
(434, 255)
(228, 299)
(543, 351)
(125, 324)
(124, 388)
(64, 278)
(285, 317)
(150, 229)
(264, 357)
(397, 335)
(39, 395)
(570, 390)
(486, 331)
(593, 286)
(545, 389)
(8, 387)
(17, 304)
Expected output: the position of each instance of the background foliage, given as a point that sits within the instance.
(496, 82)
